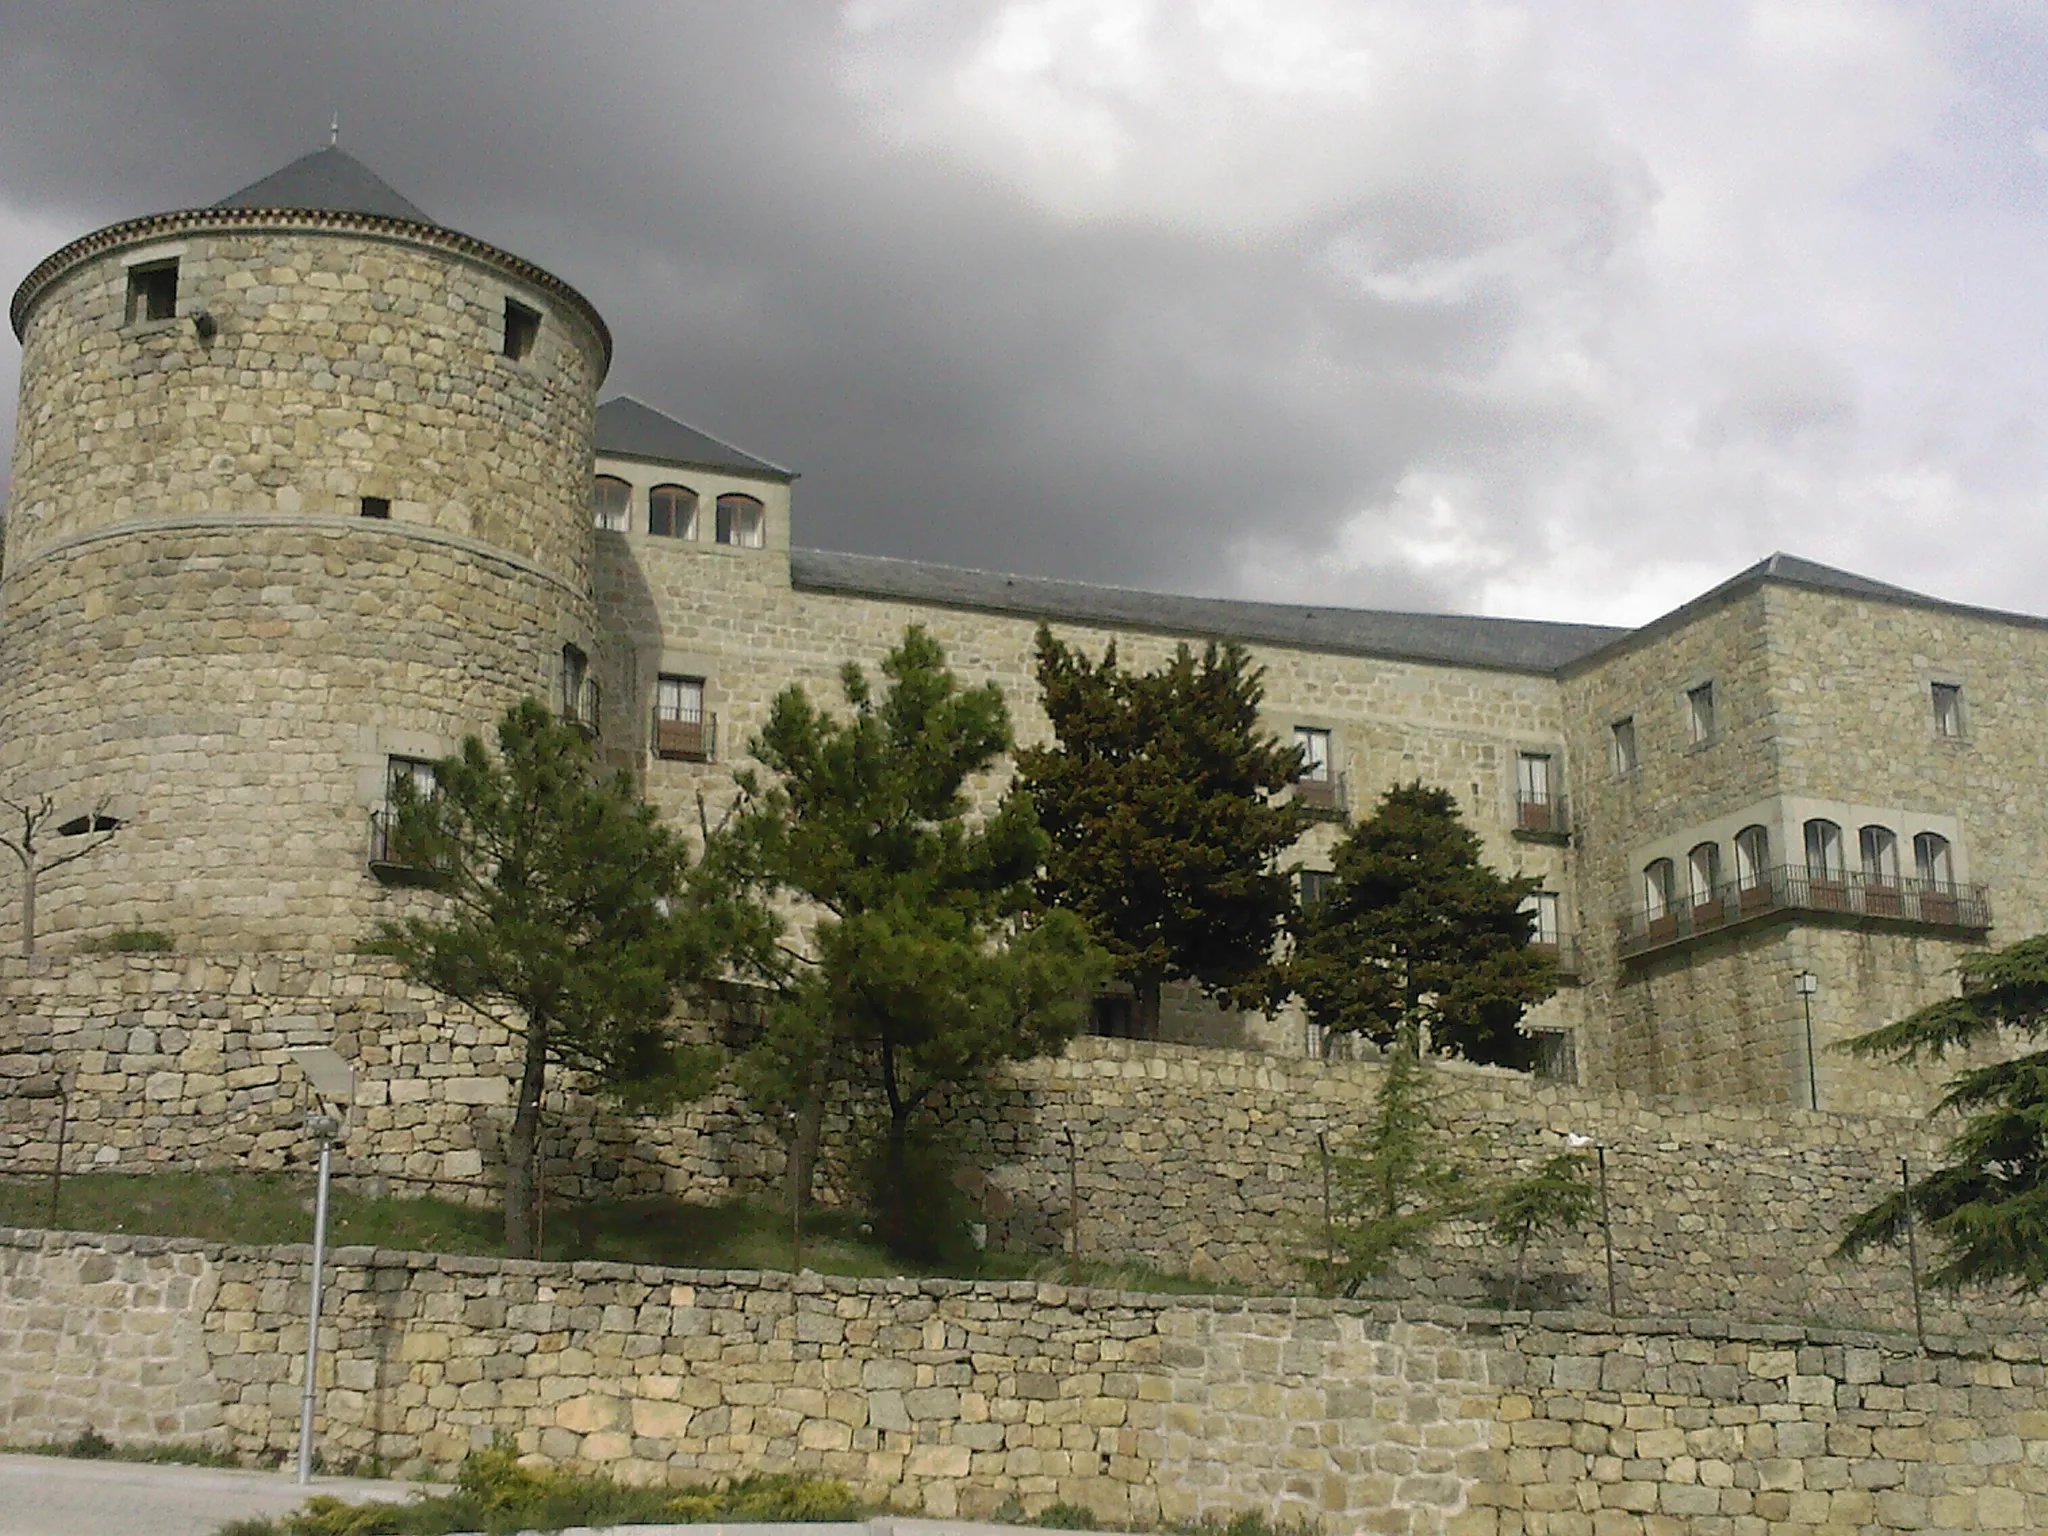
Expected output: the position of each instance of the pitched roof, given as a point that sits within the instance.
(329, 179)
(1511, 645)
(635, 431)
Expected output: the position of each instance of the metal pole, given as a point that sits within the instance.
(1329, 1222)
(1912, 1252)
(57, 1168)
(1073, 1210)
(324, 1128)
(1607, 1233)
(798, 1178)
(1812, 1077)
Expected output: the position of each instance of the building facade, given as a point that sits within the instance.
(307, 487)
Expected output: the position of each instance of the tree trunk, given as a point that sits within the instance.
(28, 908)
(1145, 1005)
(1521, 1254)
(803, 1148)
(902, 1230)
(522, 1153)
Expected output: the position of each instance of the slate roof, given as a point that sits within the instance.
(1511, 645)
(634, 431)
(331, 180)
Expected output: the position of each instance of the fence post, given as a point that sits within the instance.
(1912, 1251)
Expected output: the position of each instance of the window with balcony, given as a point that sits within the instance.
(610, 500)
(1539, 808)
(1317, 786)
(1948, 709)
(1878, 851)
(1931, 860)
(407, 780)
(683, 731)
(672, 512)
(1823, 850)
(1624, 739)
(1703, 873)
(1753, 857)
(1542, 909)
(1660, 888)
(742, 522)
(1699, 713)
(579, 690)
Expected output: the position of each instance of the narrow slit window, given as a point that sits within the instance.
(742, 522)
(672, 512)
(1699, 713)
(522, 328)
(377, 507)
(1625, 745)
(152, 292)
(610, 498)
(1948, 709)
(575, 685)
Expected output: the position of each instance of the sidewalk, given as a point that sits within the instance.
(56, 1496)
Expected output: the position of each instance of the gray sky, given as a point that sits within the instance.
(1565, 310)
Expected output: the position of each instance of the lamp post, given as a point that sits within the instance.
(1808, 984)
(333, 1080)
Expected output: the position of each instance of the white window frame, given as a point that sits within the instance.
(1314, 744)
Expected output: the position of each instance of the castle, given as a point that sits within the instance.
(307, 487)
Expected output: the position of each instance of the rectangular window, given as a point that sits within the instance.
(610, 499)
(152, 292)
(1699, 713)
(682, 730)
(1948, 709)
(377, 506)
(741, 522)
(1533, 778)
(1625, 745)
(415, 772)
(1313, 885)
(1315, 754)
(579, 689)
(1542, 906)
(522, 328)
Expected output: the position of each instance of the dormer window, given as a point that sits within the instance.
(152, 292)
(672, 512)
(610, 500)
(742, 522)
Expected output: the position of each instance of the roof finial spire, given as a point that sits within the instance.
(334, 132)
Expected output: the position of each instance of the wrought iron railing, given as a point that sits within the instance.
(390, 860)
(1542, 815)
(1563, 948)
(1796, 888)
(582, 708)
(1322, 797)
(686, 741)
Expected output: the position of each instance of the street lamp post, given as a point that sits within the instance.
(1808, 984)
(334, 1081)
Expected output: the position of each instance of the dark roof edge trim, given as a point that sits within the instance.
(854, 587)
(151, 226)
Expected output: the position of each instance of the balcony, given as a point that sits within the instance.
(1563, 949)
(1322, 798)
(685, 741)
(1542, 818)
(580, 705)
(1792, 890)
(390, 861)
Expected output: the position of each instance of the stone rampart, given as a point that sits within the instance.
(950, 1397)
(1184, 1158)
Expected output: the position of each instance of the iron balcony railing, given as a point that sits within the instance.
(390, 861)
(1321, 797)
(1563, 949)
(685, 741)
(1795, 888)
(1542, 815)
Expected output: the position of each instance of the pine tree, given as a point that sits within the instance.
(1558, 1197)
(1164, 833)
(929, 965)
(1417, 934)
(1987, 1209)
(571, 916)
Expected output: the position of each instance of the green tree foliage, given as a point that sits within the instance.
(1158, 803)
(1560, 1196)
(570, 915)
(929, 964)
(1987, 1209)
(1416, 934)
(1404, 1177)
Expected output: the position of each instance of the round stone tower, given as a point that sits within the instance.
(301, 495)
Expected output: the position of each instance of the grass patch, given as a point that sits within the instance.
(90, 1445)
(131, 941)
(495, 1494)
(268, 1208)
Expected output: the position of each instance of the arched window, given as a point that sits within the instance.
(1823, 850)
(609, 500)
(742, 522)
(1753, 857)
(672, 512)
(1660, 888)
(1931, 861)
(1879, 848)
(1703, 872)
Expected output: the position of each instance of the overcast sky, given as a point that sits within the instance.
(1561, 310)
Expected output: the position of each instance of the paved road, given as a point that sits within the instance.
(53, 1496)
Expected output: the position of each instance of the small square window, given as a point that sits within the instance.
(1948, 709)
(522, 328)
(377, 507)
(152, 292)
(1625, 745)
(1313, 885)
(1699, 713)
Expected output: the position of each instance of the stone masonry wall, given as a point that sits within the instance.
(950, 1397)
(1187, 1158)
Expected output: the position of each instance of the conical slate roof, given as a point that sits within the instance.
(331, 180)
